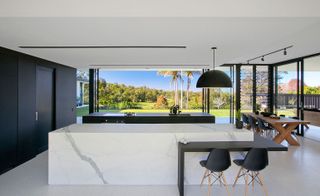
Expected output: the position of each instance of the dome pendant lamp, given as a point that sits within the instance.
(214, 78)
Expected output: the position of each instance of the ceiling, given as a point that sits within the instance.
(157, 8)
(240, 29)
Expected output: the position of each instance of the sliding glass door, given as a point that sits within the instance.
(287, 90)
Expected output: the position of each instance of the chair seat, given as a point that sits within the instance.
(239, 162)
(203, 163)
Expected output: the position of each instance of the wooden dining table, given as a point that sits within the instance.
(283, 125)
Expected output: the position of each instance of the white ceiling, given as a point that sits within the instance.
(237, 39)
(160, 8)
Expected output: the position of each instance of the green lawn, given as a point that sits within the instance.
(148, 109)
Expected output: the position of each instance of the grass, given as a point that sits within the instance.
(148, 109)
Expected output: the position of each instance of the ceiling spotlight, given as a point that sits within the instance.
(285, 51)
(262, 59)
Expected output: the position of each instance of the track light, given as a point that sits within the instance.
(267, 54)
(285, 51)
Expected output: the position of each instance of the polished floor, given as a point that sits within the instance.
(296, 172)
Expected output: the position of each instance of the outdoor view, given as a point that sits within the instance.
(151, 91)
(246, 94)
(287, 86)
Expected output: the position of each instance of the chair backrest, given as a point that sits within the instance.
(256, 159)
(245, 118)
(218, 160)
(261, 124)
(252, 122)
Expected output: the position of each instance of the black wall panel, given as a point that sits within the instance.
(26, 109)
(65, 96)
(18, 127)
(8, 110)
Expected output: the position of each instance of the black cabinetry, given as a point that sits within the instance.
(19, 130)
(8, 111)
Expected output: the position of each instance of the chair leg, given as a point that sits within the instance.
(225, 183)
(209, 185)
(236, 180)
(246, 181)
(262, 184)
(252, 173)
(204, 176)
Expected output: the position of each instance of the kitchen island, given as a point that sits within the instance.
(132, 154)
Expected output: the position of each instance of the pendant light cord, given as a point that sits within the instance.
(214, 57)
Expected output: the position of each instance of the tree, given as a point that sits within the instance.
(189, 75)
(176, 77)
(162, 102)
(219, 101)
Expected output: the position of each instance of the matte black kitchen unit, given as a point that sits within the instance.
(21, 135)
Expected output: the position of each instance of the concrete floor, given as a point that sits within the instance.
(296, 172)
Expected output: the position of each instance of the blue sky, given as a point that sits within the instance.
(310, 78)
(145, 78)
(152, 80)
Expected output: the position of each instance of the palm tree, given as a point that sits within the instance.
(189, 75)
(176, 77)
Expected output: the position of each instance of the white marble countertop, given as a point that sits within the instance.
(149, 128)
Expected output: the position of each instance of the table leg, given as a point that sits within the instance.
(180, 170)
(284, 133)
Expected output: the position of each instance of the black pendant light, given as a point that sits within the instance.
(214, 78)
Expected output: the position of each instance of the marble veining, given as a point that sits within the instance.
(83, 157)
(143, 154)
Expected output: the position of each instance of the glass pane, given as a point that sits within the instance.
(246, 85)
(262, 88)
(312, 83)
(82, 93)
(220, 101)
(149, 91)
(287, 90)
(312, 91)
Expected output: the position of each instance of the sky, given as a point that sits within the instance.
(310, 78)
(150, 79)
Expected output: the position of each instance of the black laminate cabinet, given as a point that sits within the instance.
(27, 108)
(8, 111)
(65, 97)
(18, 126)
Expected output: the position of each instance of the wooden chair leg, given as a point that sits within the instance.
(252, 173)
(204, 176)
(246, 181)
(225, 183)
(209, 185)
(236, 180)
(262, 184)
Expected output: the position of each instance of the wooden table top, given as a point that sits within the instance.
(282, 120)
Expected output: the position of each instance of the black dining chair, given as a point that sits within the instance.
(245, 120)
(255, 161)
(217, 162)
(264, 129)
(252, 123)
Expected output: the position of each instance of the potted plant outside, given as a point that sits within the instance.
(239, 123)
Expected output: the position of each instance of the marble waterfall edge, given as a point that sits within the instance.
(135, 154)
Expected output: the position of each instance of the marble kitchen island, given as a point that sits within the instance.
(131, 154)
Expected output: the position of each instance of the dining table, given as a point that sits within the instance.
(283, 125)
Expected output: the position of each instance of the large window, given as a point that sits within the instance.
(82, 92)
(312, 83)
(246, 86)
(149, 91)
(220, 101)
(262, 79)
(287, 91)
